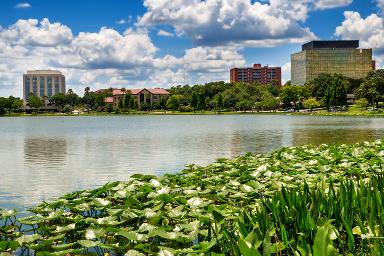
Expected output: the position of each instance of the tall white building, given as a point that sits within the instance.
(43, 83)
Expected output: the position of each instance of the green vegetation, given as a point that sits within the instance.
(304, 200)
(10, 105)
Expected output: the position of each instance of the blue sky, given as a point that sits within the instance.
(161, 43)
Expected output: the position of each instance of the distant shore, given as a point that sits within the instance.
(206, 113)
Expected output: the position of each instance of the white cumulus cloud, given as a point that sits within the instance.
(23, 5)
(327, 4)
(369, 30)
(231, 22)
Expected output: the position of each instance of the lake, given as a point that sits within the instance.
(43, 157)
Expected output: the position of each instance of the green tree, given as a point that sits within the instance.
(121, 104)
(173, 102)
(67, 109)
(290, 94)
(109, 108)
(127, 100)
(269, 102)
(4, 103)
(362, 103)
(163, 102)
(201, 101)
(336, 92)
(17, 104)
(244, 105)
(89, 99)
(35, 102)
(59, 100)
(218, 99)
(194, 101)
(372, 88)
(311, 103)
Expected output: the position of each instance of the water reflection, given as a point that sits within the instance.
(41, 152)
(43, 158)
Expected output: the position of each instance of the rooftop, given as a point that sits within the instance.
(331, 44)
(43, 72)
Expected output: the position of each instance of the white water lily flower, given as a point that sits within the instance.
(195, 202)
(102, 201)
(345, 164)
(165, 253)
(262, 168)
(177, 228)
(235, 183)
(164, 190)
(155, 183)
(121, 193)
(288, 156)
(90, 234)
(149, 213)
(312, 162)
(357, 152)
(247, 188)
(189, 191)
(381, 153)
(255, 174)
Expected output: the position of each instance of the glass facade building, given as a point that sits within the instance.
(330, 57)
(43, 83)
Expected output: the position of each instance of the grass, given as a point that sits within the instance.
(294, 200)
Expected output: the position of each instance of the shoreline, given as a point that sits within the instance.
(207, 113)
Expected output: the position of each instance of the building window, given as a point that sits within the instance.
(27, 87)
(57, 84)
(49, 86)
(34, 85)
(42, 86)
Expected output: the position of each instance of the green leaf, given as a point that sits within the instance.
(323, 245)
(27, 239)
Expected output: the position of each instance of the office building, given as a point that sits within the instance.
(329, 57)
(43, 83)
(257, 73)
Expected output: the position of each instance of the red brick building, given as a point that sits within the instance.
(257, 73)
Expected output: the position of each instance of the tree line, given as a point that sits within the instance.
(327, 90)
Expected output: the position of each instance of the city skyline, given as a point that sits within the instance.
(140, 44)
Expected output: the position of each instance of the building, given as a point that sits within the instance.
(257, 73)
(43, 83)
(329, 57)
(142, 96)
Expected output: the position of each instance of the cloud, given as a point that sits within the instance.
(231, 22)
(124, 21)
(164, 33)
(328, 4)
(104, 58)
(370, 31)
(286, 72)
(31, 32)
(23, 5)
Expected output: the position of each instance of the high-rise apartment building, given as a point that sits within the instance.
(257, 73)
(329, 57)
(43, 83)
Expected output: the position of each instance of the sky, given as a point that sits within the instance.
(163, 43)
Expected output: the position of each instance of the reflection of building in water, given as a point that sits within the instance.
(47, 152)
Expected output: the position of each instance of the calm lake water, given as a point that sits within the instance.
(43, 157)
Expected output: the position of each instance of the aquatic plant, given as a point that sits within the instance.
(191, 212)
